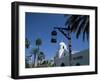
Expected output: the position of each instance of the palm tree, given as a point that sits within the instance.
(35, 52)
(27, 43)
(78, 24)
(38, 42)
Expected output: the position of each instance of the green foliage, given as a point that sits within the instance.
(48, 63)
(41, 56)
(27, 43)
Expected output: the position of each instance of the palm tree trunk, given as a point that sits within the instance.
(35, 60)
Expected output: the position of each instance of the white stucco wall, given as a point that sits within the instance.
(80, 58)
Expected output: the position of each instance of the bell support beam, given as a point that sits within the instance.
(62, 31)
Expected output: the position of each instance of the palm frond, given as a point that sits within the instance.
(79, 24)
(38, 41)
(80, 27)
(85, 29)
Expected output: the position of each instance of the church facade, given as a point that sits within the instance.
(77, 59)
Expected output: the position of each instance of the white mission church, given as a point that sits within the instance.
(78, 58)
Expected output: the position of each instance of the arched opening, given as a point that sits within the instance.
(62, 64)
(77, 64)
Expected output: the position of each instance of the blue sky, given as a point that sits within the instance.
(40, 25)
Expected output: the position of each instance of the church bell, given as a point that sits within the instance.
(54, 36)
